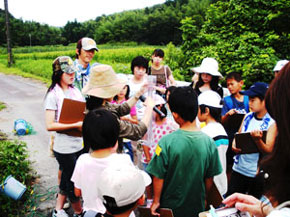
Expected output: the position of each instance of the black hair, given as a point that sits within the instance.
(234, 75)
(158, 53)
(112, 207)
(214, 84)
(169, 89)
(214, 112)
(100, 129)
(93, 102)
(79, 48)
(139, 61)
(126, 95)
(183, 101)
(162, 109)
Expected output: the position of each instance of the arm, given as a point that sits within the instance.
(227, 115)
(234, 147)
(247, 203)
(208, 185)
(172, 81)
(78, 192)
(51, 125)
(157, 189)
(270, 139)
(146, 153)
(133, 100)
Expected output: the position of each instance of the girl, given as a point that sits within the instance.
(162, 72)
(122, 97)
(208, 77)
(66, 148)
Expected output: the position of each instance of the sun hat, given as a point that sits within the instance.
(208, 65)
(64, 64)
(210, 98)
(257, 89)
(103, 82)
(125, 184)
(159, 100)
(89, 44)
(280, 64)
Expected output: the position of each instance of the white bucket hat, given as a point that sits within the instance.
(208, 65)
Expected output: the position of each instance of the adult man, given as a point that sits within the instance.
(85, 52)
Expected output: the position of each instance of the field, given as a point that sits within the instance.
(36, 61)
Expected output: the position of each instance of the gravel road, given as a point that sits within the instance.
(24, 99)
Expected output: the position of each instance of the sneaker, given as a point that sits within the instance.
(59, 213)
(66, 205)
(78, 215)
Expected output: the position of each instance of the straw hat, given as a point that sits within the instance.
(208, 65)
(103, 82)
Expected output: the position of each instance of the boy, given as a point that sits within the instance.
(184, 162)
(246, 165)
(121, 189)
(85, 52)
(103, 141)
(235, 103)
(210, 106)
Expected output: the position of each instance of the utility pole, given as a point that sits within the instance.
(10, 58)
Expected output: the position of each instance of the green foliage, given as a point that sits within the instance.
(13, 161)
(2, 106)
(244, 36)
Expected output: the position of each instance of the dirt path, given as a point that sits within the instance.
(24, 99)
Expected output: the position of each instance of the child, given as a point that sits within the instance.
(184, 162)
(120, 98)
(103, 141)
(161, 126)
(208, 77)
(162, 72)
(245, 165)
(121, 189)
(210, 111)
(279, 65)
(139, 68)
(235, 103)
(66, 148)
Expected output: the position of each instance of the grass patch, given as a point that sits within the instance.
(2, 106)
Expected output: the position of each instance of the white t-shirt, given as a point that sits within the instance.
(134, 88)
(284, 212)
(217, 132)
(63, 143)
(87, 173)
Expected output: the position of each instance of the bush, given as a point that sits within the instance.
(14, 161)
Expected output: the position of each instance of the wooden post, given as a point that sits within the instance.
(10, 58)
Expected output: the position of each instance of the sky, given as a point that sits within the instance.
(59, 12)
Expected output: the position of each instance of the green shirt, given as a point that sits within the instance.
(184, 159)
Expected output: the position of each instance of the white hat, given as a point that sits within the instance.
(280, 64)
(210, 98)
(158, 99)
(124, 183)
(208, 65)
(89, 44)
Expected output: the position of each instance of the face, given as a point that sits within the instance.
(123, 92)
(86, 56)
(276, 73)
(157, 60)
(234, 86)
(139, 72)
(256, 104)
(201, 117)
(206, 77)
(68, 79)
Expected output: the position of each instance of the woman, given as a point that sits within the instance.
(66, 148)
(276, 165)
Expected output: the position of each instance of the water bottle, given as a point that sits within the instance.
(20, 126)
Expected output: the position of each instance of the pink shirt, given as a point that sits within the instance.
(132, 111)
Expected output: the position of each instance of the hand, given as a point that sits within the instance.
(231, 112)
(257, 134)
(235, 149)
(247, 203)
(154, 207)
(142, 90)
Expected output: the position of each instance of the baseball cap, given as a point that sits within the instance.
(65, 64)
(89, 44)
(123, 183)
(280, 64)
(257, 89)
(210, 98)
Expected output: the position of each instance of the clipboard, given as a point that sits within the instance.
(146, 212)
(246, 143)
(224, 212)
(72, 111)
(234, 122)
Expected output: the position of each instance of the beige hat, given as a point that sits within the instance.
(89, 44)
(103, 82)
